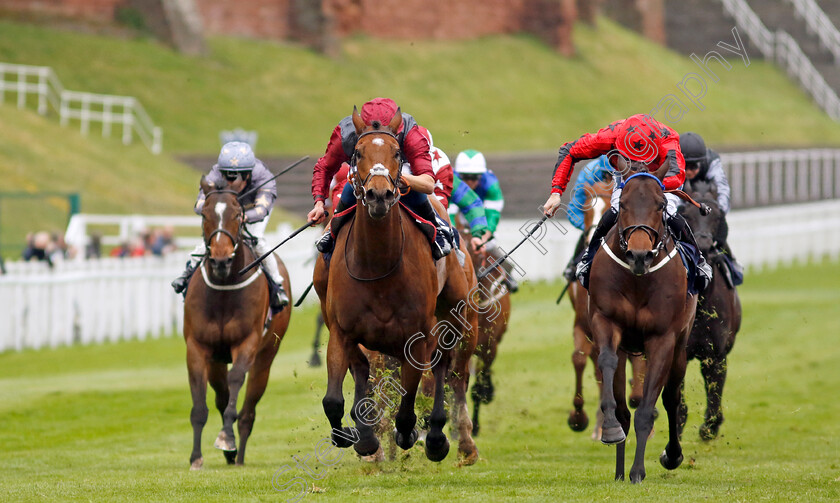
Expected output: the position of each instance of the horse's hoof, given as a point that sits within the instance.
(612, 435)
(197, 464)
(376, 457)
(668, 463)
(708, 431)
(655, 413)
(468, 459)
(343, 441)
(578, 420)
(225, 442)
(230, 457)
(634, 402)
(367, 446)
(437, 446)
(405, 442)
(637, 477)
(315, 360)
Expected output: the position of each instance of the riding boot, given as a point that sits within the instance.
(326, 243)
(444, 237)
(269, 265)
(681, 230)
(569, 272)
(180, 283)
(607, 222)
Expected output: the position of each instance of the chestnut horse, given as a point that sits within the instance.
(718, 310)
(383, 290)
(584, 348)
(224, 322)
(494, 300)
(638, 302)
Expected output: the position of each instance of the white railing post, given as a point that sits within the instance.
(21, 89)
(127, 120)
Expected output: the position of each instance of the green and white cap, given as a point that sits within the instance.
(470, 162)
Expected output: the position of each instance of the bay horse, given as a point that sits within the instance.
(382, 290)
(224, 322)
(584, 349)
(638, 302)
(492, 325)
(718, 310)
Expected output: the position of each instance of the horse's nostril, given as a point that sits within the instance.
(649, 256)
(389, 195)
(629, 256)
(369, 195)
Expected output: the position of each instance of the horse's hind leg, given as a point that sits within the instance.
(367, 444)
(333, 402)
(713, 369)
(637, 362)
(315, 359)
(257, 382)
(482, 389)
(660, 353)
(437, 445)
(459, 380)
(578, 420)
(243, 359)
(672, 456)
(217, 376)
(197, 373)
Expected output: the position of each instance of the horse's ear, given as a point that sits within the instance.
(357, 120)
(206, 185)
(396, 121)
(662, 170)
(620, 164)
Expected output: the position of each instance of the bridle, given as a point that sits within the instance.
(221, 230)
(359, 187)
(654, 235)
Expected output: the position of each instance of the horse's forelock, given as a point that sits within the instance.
(376, 124)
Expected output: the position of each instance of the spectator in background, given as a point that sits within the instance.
(94, 246)
(163, 241)
(38, 247)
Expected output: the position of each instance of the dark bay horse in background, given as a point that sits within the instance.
(718, 310)
(584, 348)
(224, 322)
(492, 325)
(638, 302)
(382, 290)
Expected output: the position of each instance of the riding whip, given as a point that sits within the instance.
(286, 170)
(563, 293)
(704, 208)
(506, 255)
(304, 294)
(269, 252)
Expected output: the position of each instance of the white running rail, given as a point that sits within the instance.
(819, 23)
(782, 48)
(109, 110)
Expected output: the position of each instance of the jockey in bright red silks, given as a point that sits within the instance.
(638, 138)
(419, 176)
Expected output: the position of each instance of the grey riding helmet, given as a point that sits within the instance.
(236, 156)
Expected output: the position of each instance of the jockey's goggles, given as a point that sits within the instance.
(231, 175)
(471, 177)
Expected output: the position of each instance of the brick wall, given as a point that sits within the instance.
(246, 18)
(89, 10)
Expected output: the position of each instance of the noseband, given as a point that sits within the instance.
(359, 187)
(235, 240)
(654, 235)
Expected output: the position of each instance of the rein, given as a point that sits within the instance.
(383, 276)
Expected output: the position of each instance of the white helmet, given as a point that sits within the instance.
(470, 162)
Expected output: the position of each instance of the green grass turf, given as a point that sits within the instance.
(501, 93)
(111, 422)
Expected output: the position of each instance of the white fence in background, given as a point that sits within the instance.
(782, 48)
(109, 110)
(120, 299)
(820, 24)
(782, 176)
(108, 299)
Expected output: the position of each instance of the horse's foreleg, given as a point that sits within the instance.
(217, 376)
(333, 402)
(367, 444)
(672, 456)
(257, 382)
(713, 369)
(315, 359)
(607, 337)
(437, 445)
(459, 380)
(197, 373)
(578, 420)
(637, 362)
(660, 355)
(243, 358)
(622, 412)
